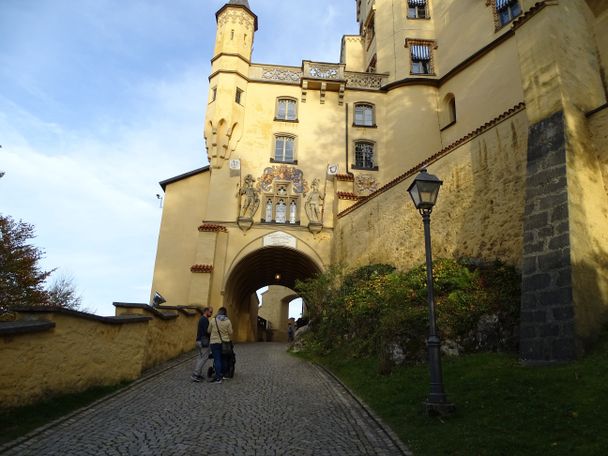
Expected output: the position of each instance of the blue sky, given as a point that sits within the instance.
(102, 99)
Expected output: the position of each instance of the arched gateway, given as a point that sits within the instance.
(268, 266)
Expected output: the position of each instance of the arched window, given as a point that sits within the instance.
(364, 115)
(365, 155)
(284, 149)
(448, 111)
(281, 210)
(286, 109)
(293, 207)
(452, 109)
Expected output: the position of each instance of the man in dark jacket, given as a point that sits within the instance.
(202, 344)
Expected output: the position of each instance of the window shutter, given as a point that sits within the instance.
(420, 52)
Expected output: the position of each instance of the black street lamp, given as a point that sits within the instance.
(424, 191)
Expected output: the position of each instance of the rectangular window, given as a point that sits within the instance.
(364, 115)
(213, 94)
(421, 59)
(364, 155)
(507, 10)
(238, 96)
(286, 109)
(284, 149)
(416, 9)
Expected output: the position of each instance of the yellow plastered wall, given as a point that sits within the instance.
(495, 77)
(588, 211)
(184, 206)
(276, 310)
(599, 9)
(479, 212)
(561, 72)
(77, 354)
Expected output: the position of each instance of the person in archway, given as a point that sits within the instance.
(220, 330)
(202, 344)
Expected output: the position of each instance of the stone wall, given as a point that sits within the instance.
(479, 212)
(547, 317)
(44, 352)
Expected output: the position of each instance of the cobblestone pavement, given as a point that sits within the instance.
(276, 404)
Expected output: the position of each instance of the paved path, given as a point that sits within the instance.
(275, 405)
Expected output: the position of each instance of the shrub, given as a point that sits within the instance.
(376, 310)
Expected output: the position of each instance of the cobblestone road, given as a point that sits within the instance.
(275, 405)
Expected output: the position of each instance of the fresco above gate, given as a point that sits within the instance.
(283, 173)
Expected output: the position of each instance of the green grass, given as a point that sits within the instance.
(503, 408)
(16, 422)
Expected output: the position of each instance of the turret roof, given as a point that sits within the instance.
(245, 3)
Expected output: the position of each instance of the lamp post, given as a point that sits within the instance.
(424, 191)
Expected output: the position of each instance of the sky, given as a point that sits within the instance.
(102, 99)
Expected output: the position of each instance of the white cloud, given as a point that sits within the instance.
(93, 201)
(100, 100)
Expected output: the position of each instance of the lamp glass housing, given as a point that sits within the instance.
(424, 190)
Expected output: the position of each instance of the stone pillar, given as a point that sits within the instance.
(547, 313)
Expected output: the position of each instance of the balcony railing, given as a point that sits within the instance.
(317, 71)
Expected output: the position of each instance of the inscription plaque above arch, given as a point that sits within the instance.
(280, 239)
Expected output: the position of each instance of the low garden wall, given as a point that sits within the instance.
(55, 351)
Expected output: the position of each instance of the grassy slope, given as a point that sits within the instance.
(503, 408)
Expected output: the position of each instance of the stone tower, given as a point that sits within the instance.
(236, 25)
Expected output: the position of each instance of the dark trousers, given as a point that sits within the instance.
(216, 351)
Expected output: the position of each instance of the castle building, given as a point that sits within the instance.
(504, 100)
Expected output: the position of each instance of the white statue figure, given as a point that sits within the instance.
(314, 202)
(249, 197)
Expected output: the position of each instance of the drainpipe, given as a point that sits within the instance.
(348, 172)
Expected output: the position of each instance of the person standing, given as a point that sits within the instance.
(220, 330)
(202, 344)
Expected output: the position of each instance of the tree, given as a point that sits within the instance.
(21, 279)
(62, 293)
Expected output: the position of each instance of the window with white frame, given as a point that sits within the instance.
(420, 56)
(281, 206)
(364, 115)
(364, 155)
(416, 9)
(286, 109)
(507, 10)
(284, 148)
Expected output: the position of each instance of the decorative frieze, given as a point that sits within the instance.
(201, 268)
(364, 80)
(326, 71)
(235, 17)
(281, 74)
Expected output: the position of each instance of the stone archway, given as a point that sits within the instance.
(262, 267)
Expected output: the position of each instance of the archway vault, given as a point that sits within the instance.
(262, 267)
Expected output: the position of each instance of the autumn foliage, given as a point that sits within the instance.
(21, 279)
